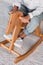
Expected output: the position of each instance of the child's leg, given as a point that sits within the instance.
(32, 25)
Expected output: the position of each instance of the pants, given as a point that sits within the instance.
(33, 24)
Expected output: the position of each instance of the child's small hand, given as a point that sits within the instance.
(24, 19)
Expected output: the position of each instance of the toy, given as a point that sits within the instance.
(14, 22)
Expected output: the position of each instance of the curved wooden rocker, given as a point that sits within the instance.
(13, 29)
(37, 32)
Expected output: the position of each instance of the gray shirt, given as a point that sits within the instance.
(31, 4)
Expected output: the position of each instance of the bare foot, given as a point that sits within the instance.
(22, 35)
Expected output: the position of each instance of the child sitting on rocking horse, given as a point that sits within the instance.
(32, 12)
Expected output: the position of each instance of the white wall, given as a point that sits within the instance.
(9, 1)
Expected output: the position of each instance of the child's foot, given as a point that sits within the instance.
(22, 35)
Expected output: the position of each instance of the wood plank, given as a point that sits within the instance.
(12, 51)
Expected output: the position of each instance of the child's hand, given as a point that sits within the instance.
(25, 19)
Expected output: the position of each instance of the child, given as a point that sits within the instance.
(33, 13)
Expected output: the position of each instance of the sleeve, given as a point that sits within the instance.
(17, 3)
(37, 12)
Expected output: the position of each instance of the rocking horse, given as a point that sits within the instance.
(14, 27)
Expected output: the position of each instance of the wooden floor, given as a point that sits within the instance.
(36, 58)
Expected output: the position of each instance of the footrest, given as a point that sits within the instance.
(8, 37)
(18, 43)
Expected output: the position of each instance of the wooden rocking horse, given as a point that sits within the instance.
(17, 26)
